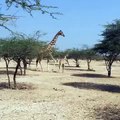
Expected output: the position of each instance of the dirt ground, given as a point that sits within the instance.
(76, 94)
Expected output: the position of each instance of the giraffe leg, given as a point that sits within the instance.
(38, 61)
(53, 60)
(59, 65)
(47, 64)
(67, 62)
(54, 65)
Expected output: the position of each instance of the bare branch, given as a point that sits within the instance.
(1, 25)
(33, 5)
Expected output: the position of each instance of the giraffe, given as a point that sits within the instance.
(62, 61)
(47, 51)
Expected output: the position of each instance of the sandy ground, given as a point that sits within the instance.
(76, 94)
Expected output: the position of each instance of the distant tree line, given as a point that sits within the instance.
(23, 49)
(108, 49)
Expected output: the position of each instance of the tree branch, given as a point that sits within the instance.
(1, 25)
(33, 5)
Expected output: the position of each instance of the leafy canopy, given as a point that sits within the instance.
(111, 39)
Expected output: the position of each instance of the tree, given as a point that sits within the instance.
(58, 54)
(19, 49)
(4, 52)
(109, 47)
(88, 54)
(75, 54)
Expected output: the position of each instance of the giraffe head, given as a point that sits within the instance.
(61, 33)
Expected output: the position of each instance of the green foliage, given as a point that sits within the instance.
(18, 47)
(75, 53)
(58, 54)
(109, 47)
(111, 40)
(88, 54)
(80, 53)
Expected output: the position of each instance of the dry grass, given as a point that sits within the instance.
(76, 94)
(108, 112)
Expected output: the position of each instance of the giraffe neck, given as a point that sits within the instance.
(52, 43)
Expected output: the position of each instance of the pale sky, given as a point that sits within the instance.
(82, 21)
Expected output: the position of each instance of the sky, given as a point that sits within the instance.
(82, 21)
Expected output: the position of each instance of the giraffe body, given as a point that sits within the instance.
(47, 51)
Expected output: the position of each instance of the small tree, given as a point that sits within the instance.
(109, 47)
(5, 54)
(88, 54)
(20, 50)
(76, 55)
(24, 49)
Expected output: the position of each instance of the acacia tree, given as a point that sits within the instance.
(57, 54)
(20, 50)
(4, 53)
(88, 54)
(76, 55)
(109, 47)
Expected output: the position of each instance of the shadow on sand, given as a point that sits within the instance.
(77, 68)
(20, 86)
(91, 75)
(94, 86)
(4, 72)
(11, 72)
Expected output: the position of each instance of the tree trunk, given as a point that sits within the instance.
(29, 62)
(20, 70)
(77, 63)
(88, 64)
(7, 71)
(25, 66)
(108, 67)
(15, 73)
(109, 61)
(109, 71)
